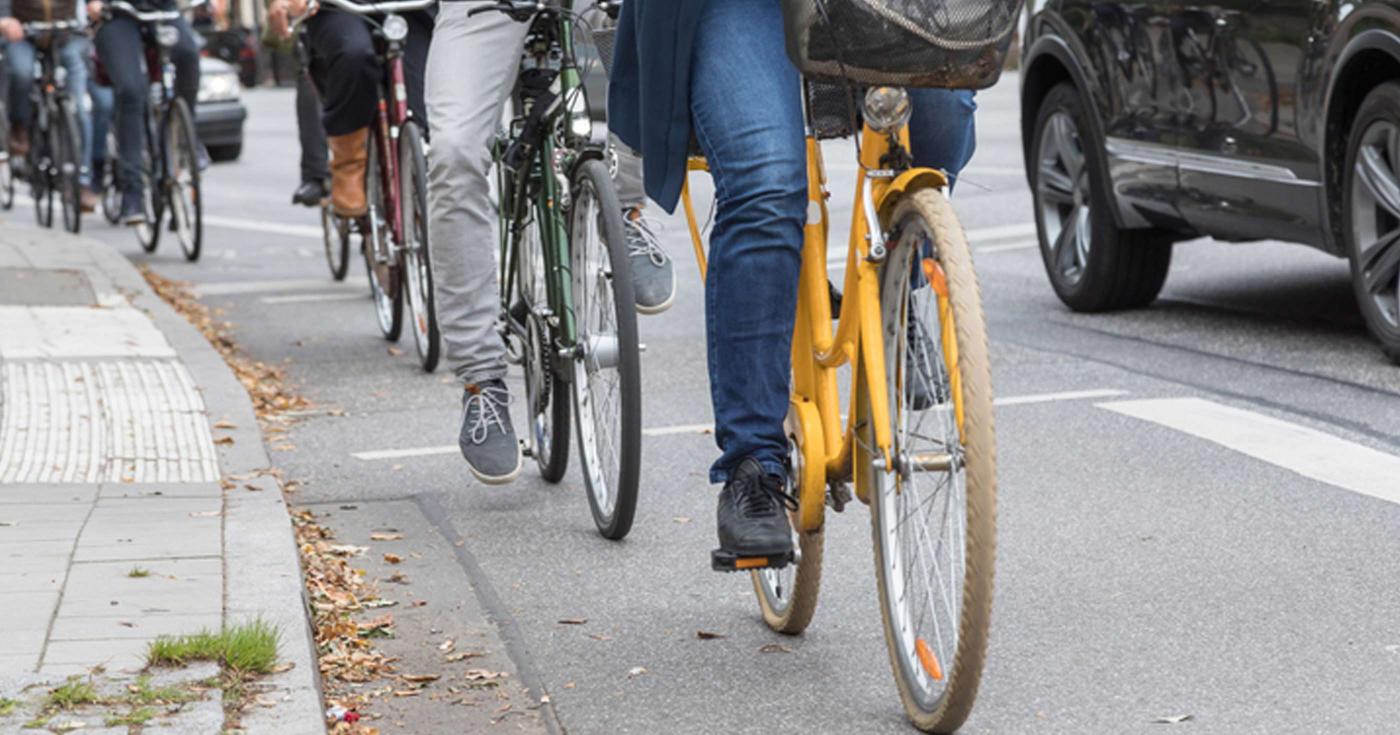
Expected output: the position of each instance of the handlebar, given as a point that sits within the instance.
(36, 27)
(376, 8)
(149, 16)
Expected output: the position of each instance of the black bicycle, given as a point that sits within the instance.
(54, 163)
(170, 162)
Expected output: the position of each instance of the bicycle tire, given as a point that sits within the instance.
(927, 232)
(787, 597)
(383, 279)
(605, 272)
(335, 235)
(417, 254)
(111, 183)
(70, 140)
(40, 170)
(7, 169)
(152, 198)
(182, 191)
(546, 396)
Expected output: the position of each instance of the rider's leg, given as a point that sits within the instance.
(344, 47)
(653, 276)
(315, 164)
(747, 113)
(185, 56)
(415, 62)
(19, 58)
(119, 45)
(471, 69)
(101, 115)
(73, 56)
(942, 129)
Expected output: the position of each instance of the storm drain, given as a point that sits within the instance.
(110, 421)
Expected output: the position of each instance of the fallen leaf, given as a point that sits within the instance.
(681, 519)
(395, 351)
(225, 425)
(392, 558)
(398, 578)
(206, 514)
(573, 621)
(378, 602)
(419, 603)
(224, 440)
(599, 637)
(483, 674)
(420, 678)
(397, 468)
(706, 635)
(774, 648)
(408, 692)
(1173, 719)
(347, 550)
(447, 645)
(636, 671)
(570, 685)
(385, 536)
(253, 488)
(464, 655)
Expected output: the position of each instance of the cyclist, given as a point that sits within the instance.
(122, 52)
(717, 69)
(471, 72)
(315, 167)
(345, 66)
(20, 59)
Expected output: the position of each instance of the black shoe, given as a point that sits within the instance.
(133, 208)
(754, 530)
(311, 193)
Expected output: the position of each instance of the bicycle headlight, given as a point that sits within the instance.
(580, 123)
(395, 28)
(887, 108)
(167, 36)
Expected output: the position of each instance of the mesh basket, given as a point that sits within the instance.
(829, 109)
(959, 44)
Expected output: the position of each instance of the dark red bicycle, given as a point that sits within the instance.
(393, 233)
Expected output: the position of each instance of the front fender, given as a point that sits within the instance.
(887, 196)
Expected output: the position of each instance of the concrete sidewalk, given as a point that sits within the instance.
(117, 423)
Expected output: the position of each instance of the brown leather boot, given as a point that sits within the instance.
(19, 142)
(348, 158)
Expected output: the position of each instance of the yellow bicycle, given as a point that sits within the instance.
(918, 443)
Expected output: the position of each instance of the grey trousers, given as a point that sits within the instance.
(472, 66)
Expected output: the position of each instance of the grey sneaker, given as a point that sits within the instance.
(488, 440)
(653, 279)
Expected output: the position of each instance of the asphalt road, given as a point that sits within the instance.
(1206, 525)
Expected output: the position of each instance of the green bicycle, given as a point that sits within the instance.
(568, 312)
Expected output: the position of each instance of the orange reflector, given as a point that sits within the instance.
(934, 273)
(926, 656)
(752, 563)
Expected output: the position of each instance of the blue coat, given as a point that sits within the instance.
(649, 93)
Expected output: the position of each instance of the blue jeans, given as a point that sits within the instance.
(746, 109)
(20, 59)
(102, 103)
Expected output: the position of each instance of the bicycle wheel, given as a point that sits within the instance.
(546, 394)
(934, 506)
(152, 196)
(607, 387)
(335, 234)
(787, 597)
(7, 171)
(40, 170)
(111, 186)
(377, 245)
(70, 165)
(183, 192)
(417, 265)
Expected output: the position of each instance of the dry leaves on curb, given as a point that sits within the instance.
(573, 621)
(774, 648)
(707, 635)
(385, 536)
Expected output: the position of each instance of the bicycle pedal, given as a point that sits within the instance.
(727, 561)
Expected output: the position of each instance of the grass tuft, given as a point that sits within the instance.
(72, 693)
(139, 573)
(143, 693)
(139, 716)
(7, 705)
(247, 648)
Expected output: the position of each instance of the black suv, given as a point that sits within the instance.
(1148, 123)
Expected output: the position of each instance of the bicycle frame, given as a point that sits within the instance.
(541, 182)
(818, 350)
(390, 116)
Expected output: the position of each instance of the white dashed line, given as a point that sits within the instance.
(1073, 395)
(310, 297)
(273, 228)
(235, 288)
(401, 453)
(1305, 451)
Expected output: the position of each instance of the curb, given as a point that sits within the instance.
(262, 571)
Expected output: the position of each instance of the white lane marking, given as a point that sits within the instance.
(399, 453)
(234, 288)
(275, 228)
(1299, 449)
(1006, 248)
(975, 238)
(975, 171)
(682, 429)
(1072, 395)
(304, 298)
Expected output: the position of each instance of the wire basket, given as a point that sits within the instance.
(957, 44)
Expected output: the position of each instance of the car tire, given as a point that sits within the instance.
(1370, 219)
(225, 153)
(1093, 264)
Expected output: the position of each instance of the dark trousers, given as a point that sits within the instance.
(314, 164)
(347, 71)
(123, 56)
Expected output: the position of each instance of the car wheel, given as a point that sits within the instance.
(1093, 264)
(1372, 208)
(225, 153)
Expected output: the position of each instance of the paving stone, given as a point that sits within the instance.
(149, 537)
(205, 717)
(115, 654)
(15, 664)
(41, 580)
(23, 642)
(94, 588)
(58, 332)
(23, 532)
(57, 287)
(21, 515)
(45, 492)
(157, 490)
(18, 551)
(145, 626)
(171, 507)
(23, 611)
(194, 672)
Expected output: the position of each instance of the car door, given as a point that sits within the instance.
(1244, 172)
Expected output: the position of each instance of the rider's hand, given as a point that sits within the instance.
(94, 10)
(11, 30)
(277, 18)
